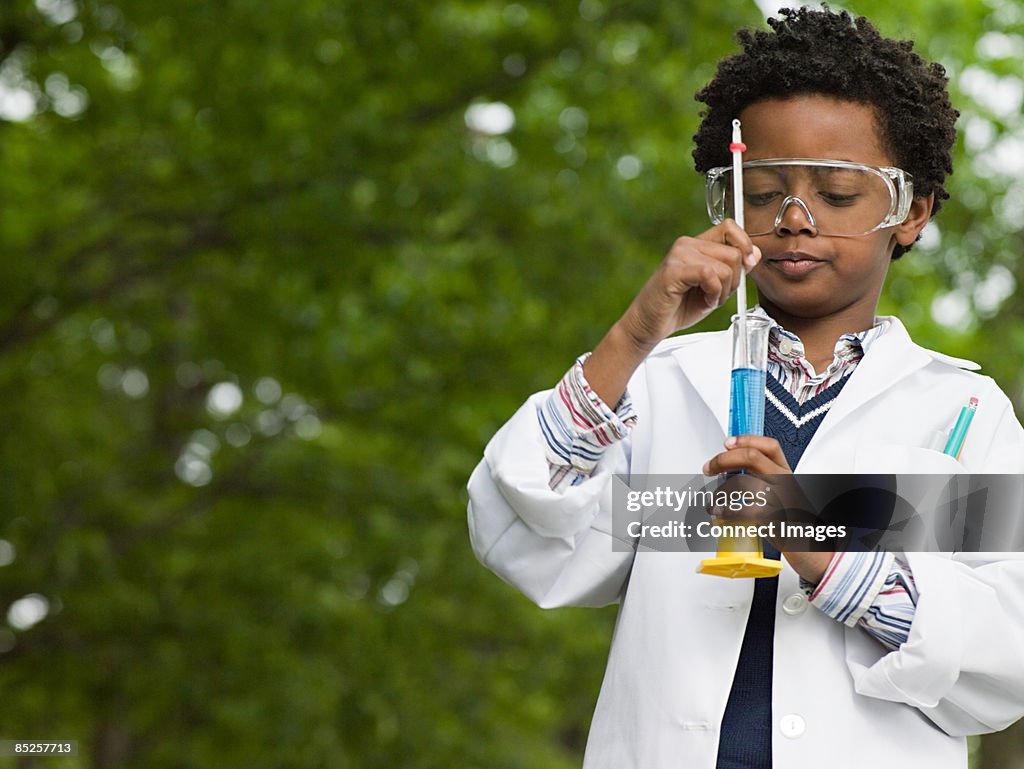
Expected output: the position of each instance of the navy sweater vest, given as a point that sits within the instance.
(746, 735)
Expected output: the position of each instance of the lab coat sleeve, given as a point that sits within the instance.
(963, 663)
(555, 546)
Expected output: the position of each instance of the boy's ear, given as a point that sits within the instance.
(920, 213)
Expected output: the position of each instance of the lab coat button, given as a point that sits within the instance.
(792, 726)
(795, 604)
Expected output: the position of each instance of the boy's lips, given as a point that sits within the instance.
(795, 262)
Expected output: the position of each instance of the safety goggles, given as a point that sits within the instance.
(833, 197)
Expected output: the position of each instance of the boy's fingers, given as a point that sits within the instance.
(734, 460)
(730, 233)
(700, 249)
(753, 453)
(713, 287)
(767, 446)
(697, 275)
(713, 278)
(733, 254)
(753, 259)
(728, 262)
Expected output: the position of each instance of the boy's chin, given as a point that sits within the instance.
(803, 307)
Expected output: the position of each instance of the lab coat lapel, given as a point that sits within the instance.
(706, 362)
(890, 359)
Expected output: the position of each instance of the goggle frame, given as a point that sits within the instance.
(899, 183)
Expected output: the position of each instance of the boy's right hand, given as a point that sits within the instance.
(696, 276)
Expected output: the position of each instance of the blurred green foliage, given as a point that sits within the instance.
(265, 293)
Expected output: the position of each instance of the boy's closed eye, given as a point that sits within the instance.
(838, 199)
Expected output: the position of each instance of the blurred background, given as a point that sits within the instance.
(272, 273)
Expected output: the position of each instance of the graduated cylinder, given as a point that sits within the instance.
(744, 556)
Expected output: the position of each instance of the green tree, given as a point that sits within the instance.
(269, 288)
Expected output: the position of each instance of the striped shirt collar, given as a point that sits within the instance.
(788, 365)
(860, 341)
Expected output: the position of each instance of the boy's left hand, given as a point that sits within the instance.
(760, 455)
(754, 453)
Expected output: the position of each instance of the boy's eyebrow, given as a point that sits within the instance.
(840, 160)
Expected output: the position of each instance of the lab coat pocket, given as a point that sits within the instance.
(920, 480)
(908, 460)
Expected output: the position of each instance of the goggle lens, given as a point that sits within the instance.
(832, 197)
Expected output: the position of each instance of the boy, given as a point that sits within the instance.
(849, 659)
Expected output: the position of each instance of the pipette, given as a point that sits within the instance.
(746, 399)
(744, 557)
(737, 149)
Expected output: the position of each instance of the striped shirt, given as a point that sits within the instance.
(873, 590)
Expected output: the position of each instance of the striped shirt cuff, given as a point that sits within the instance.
(851, 583)
(892, 611)
(578, 426)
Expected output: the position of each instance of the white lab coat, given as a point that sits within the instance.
(839, 698)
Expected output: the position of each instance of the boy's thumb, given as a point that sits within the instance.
(753, 258)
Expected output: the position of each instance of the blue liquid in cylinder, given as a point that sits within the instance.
(746, 402)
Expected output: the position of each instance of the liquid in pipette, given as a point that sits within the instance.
(746, 402)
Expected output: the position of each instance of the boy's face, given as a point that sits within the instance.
(802, 273)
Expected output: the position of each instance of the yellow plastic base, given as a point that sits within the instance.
(740, 565)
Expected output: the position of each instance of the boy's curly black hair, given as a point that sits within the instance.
(819, 51)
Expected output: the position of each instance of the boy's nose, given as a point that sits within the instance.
(795, 217)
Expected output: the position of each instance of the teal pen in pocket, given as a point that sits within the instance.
(955, 444)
